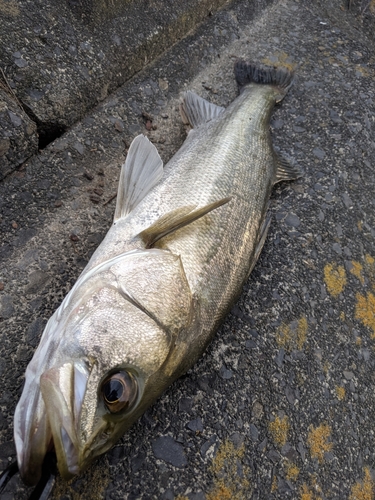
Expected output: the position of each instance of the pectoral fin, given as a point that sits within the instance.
(142, 170)
(177, 219)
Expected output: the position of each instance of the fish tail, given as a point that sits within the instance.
(279, 77)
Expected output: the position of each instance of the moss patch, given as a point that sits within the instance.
(228, 483)
(293, 335)
(340, 392)
(279, 429)
(334, 278)
(357, 271)
(363, 490)
(365, 310)
(318, 441)
(292, 472)
(76, 489)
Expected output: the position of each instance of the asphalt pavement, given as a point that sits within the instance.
(282, 403)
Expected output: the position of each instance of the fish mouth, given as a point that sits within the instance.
(63, 390)
(49, 419)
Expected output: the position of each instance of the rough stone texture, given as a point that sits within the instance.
(18, 135)
(62, 58)
(282, 404)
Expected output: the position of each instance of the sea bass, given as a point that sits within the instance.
(184, 240)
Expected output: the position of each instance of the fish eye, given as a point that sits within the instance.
(119, 391)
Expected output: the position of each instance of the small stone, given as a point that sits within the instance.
(195, 425)
(250, 344)
(347, 200)
(16, 120)
(4, 146)
(263, 445)
(277, 124)
(209, 448)
(35, 95)
(302, 451)
(185, 404)
(337, 248)
(290, 395)
(274, 455)
(34, 332)
(237, 439)
(365, 352)
(2, 286)
(319, 153)
(95, 198)
(348, 375)
(279, 359)
(225, 374)
(119, 126)
(257, 410)
(58, 203)
(6, 306)
(79, 147)
(292, 220)
(254, 433)
(299, 130)
(21, 63)
(14, 224)
(37, 281)
(74, 237)
(88, 175)
(167, 449)
(163, 84)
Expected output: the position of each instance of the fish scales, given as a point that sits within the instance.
(160, 283)
(200, 174)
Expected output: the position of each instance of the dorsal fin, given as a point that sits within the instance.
(285, 171)
(177, 219)
(195, 110)
(142, 170)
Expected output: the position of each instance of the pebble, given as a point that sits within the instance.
(167, 449)
(195, 425)
(292, 220)
(225, 374)
(347, 200)
(319, 153)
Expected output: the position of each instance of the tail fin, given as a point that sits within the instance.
(279, 77)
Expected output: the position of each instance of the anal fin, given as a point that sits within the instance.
(285, 171)
(176, 219)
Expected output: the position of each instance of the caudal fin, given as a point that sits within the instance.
(279, 77)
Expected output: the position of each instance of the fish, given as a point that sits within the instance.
(184, 239)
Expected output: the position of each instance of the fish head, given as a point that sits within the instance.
(94, 371)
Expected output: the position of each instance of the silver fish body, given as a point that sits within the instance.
(160, 283)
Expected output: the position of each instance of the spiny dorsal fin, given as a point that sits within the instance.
(285, 171)
(176, 220)
(142, 170)
(195, 110)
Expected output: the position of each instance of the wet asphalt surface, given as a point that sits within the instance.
(281, 405)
